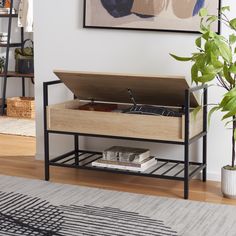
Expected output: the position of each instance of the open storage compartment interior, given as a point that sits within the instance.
(112, 89)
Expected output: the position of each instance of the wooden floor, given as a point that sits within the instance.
(17, 159)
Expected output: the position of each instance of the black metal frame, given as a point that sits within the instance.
(82, 159)
(160, 30)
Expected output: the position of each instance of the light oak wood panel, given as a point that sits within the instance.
(152, 89)
(67, 118)
(195, 124)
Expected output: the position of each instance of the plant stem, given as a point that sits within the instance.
(221, 80)
(233, 142)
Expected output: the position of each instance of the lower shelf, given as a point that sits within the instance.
(165, 169)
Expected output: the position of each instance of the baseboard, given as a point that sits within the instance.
(40, 157)
(214, 176)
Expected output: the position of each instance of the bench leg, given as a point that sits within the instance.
(76, 144)
(46, 156)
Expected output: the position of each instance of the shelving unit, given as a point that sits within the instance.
(67, 119)
(8, 46)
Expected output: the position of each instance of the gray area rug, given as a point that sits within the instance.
(34, 207)
(15, 126)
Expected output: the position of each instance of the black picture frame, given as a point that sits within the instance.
(146, 29)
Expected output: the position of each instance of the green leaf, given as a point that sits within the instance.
(195, 111)
(227, 74)
(224, 101)
(181, 58)
(212, 34)
(232, 23)
(206, 78)
(194, 73)
(229, 114)
(228, 122)
(198, 42)
(214, 109)
(210, 69)
(215, 62)
(212, 19)
(203, 12)
(231, 93)
(225, 8)
(232, 39)
(225, 51)
(231, 105)
(200, 61)
(232, 69)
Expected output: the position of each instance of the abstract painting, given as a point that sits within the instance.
(164, 15)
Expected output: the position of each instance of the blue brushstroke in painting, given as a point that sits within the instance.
(199, 4)
(118, 8)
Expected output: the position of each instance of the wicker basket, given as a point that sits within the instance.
(21, 107)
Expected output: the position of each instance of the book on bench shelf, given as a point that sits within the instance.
(126, 158)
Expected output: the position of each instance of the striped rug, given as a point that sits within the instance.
(34, 207)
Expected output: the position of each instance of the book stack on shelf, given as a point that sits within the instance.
(4, 10)
(126, 158)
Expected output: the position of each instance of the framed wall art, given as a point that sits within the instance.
(161, 15)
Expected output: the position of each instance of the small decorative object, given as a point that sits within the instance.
(3, 38)
(21, 107)
(128, 154)
(164, 15)
(7, 4)
(4, 10)
(2, 64)
(25, 58)
(214, 63)
(2, 3)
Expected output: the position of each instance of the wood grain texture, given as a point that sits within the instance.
(154, 90)
(66, 117)
(69, 119)
(17, 145)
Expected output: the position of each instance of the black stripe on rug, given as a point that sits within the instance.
(21, 215)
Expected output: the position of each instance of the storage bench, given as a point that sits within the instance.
(170, 92)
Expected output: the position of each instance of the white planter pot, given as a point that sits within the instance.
(228, 183)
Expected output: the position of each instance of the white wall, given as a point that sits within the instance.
(61, 42)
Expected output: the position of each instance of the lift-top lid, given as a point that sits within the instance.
(153, 90)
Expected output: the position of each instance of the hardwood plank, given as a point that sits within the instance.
(11, 145)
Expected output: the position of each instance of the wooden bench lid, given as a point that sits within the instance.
(153, 90)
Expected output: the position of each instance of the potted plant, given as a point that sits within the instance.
(214, 63)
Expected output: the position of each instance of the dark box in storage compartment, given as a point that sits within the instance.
(93, 106)
(21, 107)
